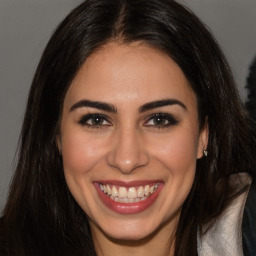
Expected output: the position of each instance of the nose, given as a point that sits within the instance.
(127, 152)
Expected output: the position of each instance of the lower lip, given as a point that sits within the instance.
(128, 208)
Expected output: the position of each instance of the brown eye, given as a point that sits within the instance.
(161, 120)
(94, 120)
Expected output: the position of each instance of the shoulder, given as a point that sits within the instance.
(249, 223)
(224, 236)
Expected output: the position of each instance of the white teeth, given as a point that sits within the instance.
(140, 191)
(124, 200)
(109, 190)
(146, 190)
(131, 200)
(128, 195)
(114, 191)
(122, 192)
(132, 193)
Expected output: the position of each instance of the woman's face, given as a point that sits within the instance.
(130, 140)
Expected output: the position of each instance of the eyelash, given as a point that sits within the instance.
(84, 121)
(162, 117)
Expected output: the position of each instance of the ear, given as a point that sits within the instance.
(203, 140)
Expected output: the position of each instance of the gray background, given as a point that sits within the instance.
(26, 25)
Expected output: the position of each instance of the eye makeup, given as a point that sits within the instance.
(160, 120)
(94, 120)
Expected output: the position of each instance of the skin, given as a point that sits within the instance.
(129, 145)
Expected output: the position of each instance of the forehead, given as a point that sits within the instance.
(133, 73)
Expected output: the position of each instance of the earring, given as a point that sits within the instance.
(205, 153)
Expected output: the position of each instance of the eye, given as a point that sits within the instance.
(161, 120)
(94, 120)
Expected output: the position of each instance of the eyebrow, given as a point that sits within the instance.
(161, 103)
(112, 109)
(94, 104)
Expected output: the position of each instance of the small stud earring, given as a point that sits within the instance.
(205, 152)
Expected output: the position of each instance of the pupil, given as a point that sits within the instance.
(97, 120)
(159, 120)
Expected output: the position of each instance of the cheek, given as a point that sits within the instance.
(178, 153)
(80, 156)
(80, 153)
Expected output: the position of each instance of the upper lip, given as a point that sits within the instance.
(132, 183)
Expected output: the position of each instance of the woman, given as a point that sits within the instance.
(133, 139)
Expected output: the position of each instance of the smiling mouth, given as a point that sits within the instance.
(128, 197)
(128, 194)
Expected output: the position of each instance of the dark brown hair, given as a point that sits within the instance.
(41, 217)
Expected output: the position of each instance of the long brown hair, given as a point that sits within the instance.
(41, 217)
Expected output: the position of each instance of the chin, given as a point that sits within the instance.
(129, 231)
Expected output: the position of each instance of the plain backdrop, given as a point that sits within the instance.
(26, 25)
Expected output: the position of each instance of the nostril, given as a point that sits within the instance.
(127, 163)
